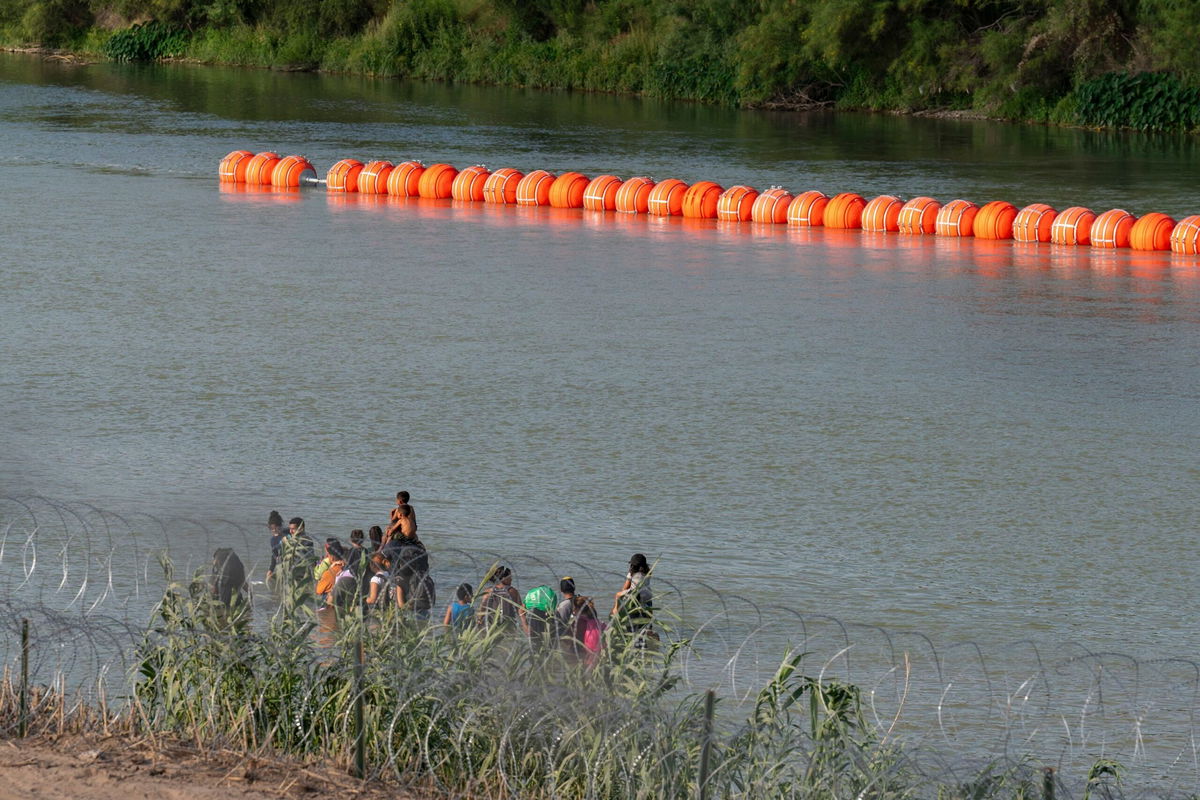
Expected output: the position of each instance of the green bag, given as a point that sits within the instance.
(541, 598)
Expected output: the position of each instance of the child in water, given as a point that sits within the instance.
(459, 612)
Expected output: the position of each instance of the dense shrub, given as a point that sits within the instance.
(150, 41)
(1146, 101)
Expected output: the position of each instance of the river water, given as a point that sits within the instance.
(983, 442)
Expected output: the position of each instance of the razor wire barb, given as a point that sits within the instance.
(806, 705)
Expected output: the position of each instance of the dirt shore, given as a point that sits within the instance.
(124, 768)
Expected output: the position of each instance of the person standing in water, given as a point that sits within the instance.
(633, 606)
(275, 527)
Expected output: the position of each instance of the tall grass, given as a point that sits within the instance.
(489, 713)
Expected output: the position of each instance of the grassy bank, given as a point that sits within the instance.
(1123, 63)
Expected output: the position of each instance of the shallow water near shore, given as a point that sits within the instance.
(975, 441)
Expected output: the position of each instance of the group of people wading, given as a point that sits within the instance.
(389, 568)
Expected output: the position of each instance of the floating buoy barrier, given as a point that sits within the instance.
(601, 193)
(1073, 226)
(995, 220)
(1152, 232)
(1111, 229)
(468, 184)
(808, 209)
(1037, 223)
(633, 196)
(736, 204)
(233, 166)
(882, 214)
(343, 176)
(700, 200)
(437, 181)
(845, 210)
(372, 178)
(919, 216)
(771, 207)
(1185, 236)
(501, 186)
(1034, 223)
(405, 179)
(534, 188)
(957, 218)
(666, 198)
(567, 190)
(260, 167)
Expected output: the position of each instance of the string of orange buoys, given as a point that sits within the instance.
(920, 216)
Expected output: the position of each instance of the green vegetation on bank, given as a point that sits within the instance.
(1122, 63)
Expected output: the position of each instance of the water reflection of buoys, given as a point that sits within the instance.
(405, 179)
(1073, 226)
(343, 176)
(919, 216)
(1151, 232)
(1185, 236)
(1034, 222)
(882, 214)
(468, 184)
(372, 178)
(845, 211)
(567, 190)
(1111, 229)
(233, 167)
(807, 210)
(771, 207)
(957, 218)
(633, 196)
(501, 186)
(736, 204)
(995, 220)
(534, 188)
(601, 193)
(259, 168)
(666, 198)
(700, 200)
(436, 181)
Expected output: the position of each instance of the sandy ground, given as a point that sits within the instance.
(119, 768)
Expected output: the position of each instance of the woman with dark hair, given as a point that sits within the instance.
(501, 602)
(633, 606)
(275, 527)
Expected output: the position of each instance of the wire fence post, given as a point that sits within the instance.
(706, 744)
(1048, 783)
(23, 726)
(360, 735)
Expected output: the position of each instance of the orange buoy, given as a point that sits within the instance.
(468, 184)
(666, 198)
(372, 179)
(259, 168)
(633, 196)
(771, 207)
(1034, 223)
(405, 179)
(1151, 232)
(1111, 229)
(501, 186)
(290, 170)
(233, 166)
(567, 190)
(700, 200)
(343, 176)
(845, 210)
(1185, 236)
(736, 204)
(437, 181)
(882, 214)
(957, 218)
(534, 188)
(601, 193)
(995, 220)
(808, 209)
(1073, 226)
(919, 216)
